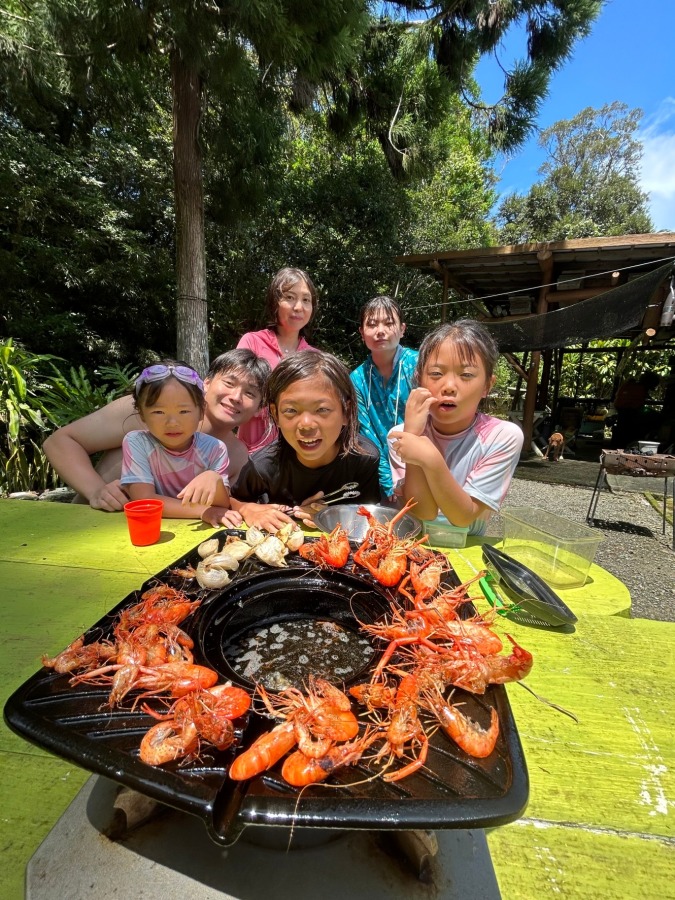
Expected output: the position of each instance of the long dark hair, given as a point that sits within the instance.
(383, 303)
(285, 278)
(312, 363)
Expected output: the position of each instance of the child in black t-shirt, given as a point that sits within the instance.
(313, 402)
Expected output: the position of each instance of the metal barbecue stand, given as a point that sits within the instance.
(635, 465)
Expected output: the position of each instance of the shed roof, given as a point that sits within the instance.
(549, 274)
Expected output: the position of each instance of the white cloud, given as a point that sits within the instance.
(658, 164)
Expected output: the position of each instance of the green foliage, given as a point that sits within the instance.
(418, 52)
(590, 185)
(337, 210)
(23, 466)
(87, 217)
(86, 241)
(71, 397)
(595, 374)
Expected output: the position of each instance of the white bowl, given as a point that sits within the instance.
(346, 514)
(648, 447)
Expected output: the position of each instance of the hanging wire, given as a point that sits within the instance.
(537, 287)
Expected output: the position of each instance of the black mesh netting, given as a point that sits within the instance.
(606, 315)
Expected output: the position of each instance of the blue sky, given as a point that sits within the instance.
(629, 56)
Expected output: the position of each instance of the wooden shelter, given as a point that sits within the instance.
(514, 283)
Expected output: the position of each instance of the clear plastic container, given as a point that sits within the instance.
(558, 550)
(443, 534)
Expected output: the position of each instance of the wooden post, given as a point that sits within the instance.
(545, 258)
(542, 398)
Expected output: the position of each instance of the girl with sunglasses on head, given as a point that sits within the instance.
(233, 392)
(456, 461)
(173, 460)
(290, 306)
(313, 403)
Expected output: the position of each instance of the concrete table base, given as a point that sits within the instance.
(173, 857)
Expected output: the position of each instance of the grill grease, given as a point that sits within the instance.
(285, 653)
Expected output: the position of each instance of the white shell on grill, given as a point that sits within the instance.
(291, 535)
(272, 551)
(208, 548)
(237, 548)
(222, 560)
(211, 577)
(254, 536)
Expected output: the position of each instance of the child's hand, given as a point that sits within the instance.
(414, 449)
(109, 497)
(218, 515)
(417, 410)
(201, 491)
(308, 508)
(267, 516)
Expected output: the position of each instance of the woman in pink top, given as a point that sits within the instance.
(291, 305)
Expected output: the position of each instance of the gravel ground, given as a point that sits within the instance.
(634, 549)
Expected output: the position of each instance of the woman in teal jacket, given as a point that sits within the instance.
(384, 381)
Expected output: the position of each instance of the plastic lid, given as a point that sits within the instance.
(551, 525)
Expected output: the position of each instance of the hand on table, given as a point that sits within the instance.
(219, 515)
(304, 512)
(109, 497)
(266, 516)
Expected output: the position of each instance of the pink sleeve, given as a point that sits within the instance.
(248, 342)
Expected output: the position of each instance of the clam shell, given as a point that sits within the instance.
(237, 548)
(222, 560)
(208, 548)
(211, 578)
(254, 536)
(272, 552)
(292, 536)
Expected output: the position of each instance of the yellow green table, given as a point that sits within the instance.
(600, 818)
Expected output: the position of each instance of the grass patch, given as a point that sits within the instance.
(657, 503)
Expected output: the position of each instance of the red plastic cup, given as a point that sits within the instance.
(144, 518)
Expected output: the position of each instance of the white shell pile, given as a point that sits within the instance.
(212, 571)
(272, 548)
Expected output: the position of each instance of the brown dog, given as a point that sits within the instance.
(556, 445)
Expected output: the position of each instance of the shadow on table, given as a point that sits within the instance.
(165, 537)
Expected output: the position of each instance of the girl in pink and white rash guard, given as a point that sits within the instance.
(291, 305)
(454, 460)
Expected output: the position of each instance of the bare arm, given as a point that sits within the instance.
(432, 484)
(173, 507)
(238, 456)
(428, 479)
(70, 447)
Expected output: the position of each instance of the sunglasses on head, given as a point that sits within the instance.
(157, 372)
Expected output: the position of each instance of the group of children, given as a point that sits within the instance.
(404, 424)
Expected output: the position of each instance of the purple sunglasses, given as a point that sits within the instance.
(157, 372)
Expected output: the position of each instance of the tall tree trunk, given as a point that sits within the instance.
(191, 308)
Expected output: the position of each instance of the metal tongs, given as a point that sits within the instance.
(347, 492)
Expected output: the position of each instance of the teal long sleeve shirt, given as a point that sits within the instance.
(381, 406)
